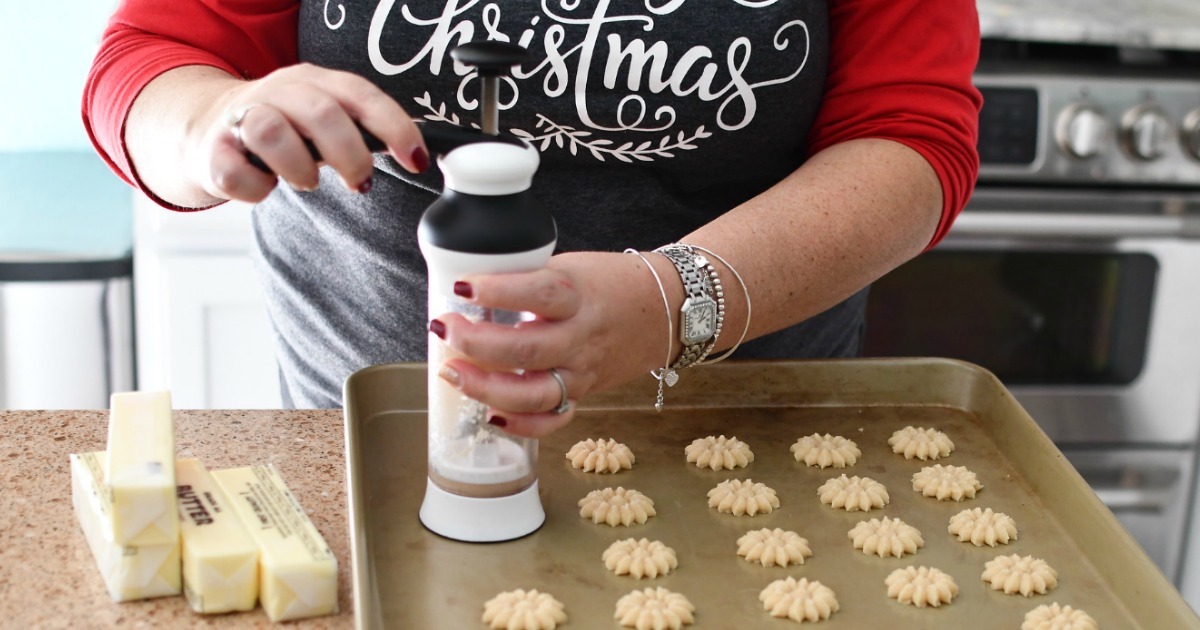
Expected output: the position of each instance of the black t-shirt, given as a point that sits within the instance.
(652, 117)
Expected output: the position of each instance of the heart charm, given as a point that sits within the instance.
(670, 377)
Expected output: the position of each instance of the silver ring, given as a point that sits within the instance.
(564, 405)
(233, 120)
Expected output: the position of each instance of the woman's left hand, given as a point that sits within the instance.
(598, 322)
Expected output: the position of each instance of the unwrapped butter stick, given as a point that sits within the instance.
(298, 572)
(141, 469)
(130, 571)
(220, 558)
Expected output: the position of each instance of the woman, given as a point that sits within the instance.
(807, 147)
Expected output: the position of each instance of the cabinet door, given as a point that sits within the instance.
(203, 332)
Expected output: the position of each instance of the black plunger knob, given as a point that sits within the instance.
(491, 58)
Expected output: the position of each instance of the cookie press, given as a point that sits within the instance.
(482, 484)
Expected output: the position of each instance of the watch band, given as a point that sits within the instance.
(704, 301)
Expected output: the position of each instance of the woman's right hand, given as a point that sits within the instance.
(276, 114)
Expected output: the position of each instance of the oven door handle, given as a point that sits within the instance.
(1153, 500)
(1049, 225)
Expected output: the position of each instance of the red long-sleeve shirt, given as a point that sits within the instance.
(898, 70)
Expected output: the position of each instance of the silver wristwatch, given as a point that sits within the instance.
(701, 315)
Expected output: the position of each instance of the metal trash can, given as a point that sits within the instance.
(66, 331)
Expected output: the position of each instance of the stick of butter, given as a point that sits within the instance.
(129, 572)
(141, 469)
(298, 572)
(220, 559)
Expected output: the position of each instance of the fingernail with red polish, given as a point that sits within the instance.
(438, 328)
(498, 421)
(420, 160)
(463, 290)
(366, 186)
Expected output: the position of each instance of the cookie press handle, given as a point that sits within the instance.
(440, 139)
(493, 60)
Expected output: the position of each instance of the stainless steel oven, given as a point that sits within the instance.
(1074, 272)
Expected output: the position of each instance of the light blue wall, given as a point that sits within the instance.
(45, 51)
(63, 202)
(55, 193)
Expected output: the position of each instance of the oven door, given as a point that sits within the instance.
(1085, 304)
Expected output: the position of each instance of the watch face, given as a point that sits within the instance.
(699, 321)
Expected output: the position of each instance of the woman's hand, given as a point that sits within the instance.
(599, 322)
(220, 118)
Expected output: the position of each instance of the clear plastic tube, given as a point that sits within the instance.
(468, 456)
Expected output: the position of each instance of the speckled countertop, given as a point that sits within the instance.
(47, 576)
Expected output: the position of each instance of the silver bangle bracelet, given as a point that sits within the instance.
(665, 375)
(745, 293)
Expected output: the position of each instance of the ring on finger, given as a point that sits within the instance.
(233, 120)
(564, 405)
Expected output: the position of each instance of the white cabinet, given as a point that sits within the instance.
(201, 321)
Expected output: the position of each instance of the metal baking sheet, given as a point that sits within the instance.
(406, 576)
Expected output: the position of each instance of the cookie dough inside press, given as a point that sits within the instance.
(738, 497)
(1015, 574)
(639, 558)
(888, 537)
(600, 456)
(719, 453)
(853, 493)
(921, 586)
(799, 600)
(826, 450)
(983, 527)
(654, 609)
(616, 506)
(1055, 617)
(524, 610)
(773, 547)
(920, 442)
(946, 483)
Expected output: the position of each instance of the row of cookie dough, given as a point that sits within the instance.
(645, 609)
(834, 450)
(801, 600)
(1012, 574)
(944, 483)
(853, 494)
(885, 538)
(745, 497)
(892, 537)
(779, 547)
(722, 453)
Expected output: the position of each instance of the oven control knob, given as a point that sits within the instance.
(1190, 133)
(1145, 132)
(1082, 131)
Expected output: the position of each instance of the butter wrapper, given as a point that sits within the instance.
(141, 470)
(130, 572)
(220, 559)
(298, 572)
